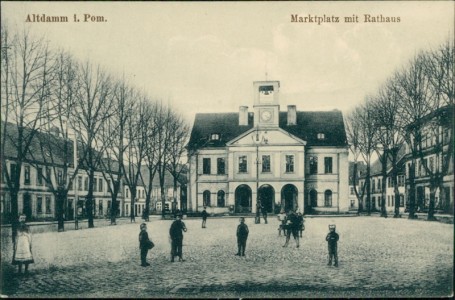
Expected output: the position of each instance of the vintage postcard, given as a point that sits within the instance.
(240, 149)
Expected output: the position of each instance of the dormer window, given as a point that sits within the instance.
(321, 136)
(215, 137)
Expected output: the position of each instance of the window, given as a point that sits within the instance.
(243, 165)
(389, 182)
(328, 198)
(126, 193)
(79, 183)
(100, 185)
(60, 177)
(206, 198)
(373, 185)
(13, 172)
(39, 172)
(100, 208)
(220, 199)
(401, 200)
(289, 163)
(108, 184)
(401, 180)
(48, 205)
(313, 164)
(379, 184)
(220, 166)
(431, 166)
(48, 176)
(265, 163)
(86, 184)
(328, 165)
(39, 205)
(352, 191)
(393, 200)
(388, 200)
(321, 136)
(27, 175)
(206, 166)
(215, 136)
(70, 186)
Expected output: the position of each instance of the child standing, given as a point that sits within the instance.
(242, 236)
(145, 244)
(332, 239)
(23, 246)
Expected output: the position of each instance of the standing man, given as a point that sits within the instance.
(176, 233)
(242, 236)
(204, 217)
(258, 213)
(292, 226)
(264, 213)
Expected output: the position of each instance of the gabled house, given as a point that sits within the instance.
(286, 160)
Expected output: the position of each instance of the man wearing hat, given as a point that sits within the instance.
(176, 233)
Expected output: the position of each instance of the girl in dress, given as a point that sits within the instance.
(23, 246)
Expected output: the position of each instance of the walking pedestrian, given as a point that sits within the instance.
(176, 233)
(264, 213)
(292, 227)
(332, 240)
(23, 246)
(145, 244)
(242, 236)
(204, 218)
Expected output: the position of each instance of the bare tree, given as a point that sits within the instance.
(26, 69)
(93, 102)
(151, 153)
(435, 148)
(367, 141)
(179, 131)
(414, 91)
(390, 139)
(136, 133)
(113, 136)
(353, 127)
(56, 149)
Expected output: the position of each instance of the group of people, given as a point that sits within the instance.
(292, 223)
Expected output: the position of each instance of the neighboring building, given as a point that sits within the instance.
(35, 198)
(437, 153)
(155, 200)
(287, 160)
(376, 184)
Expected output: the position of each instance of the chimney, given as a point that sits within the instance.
(292, 115)
(243, 115)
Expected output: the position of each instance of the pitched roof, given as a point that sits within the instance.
(309, 124)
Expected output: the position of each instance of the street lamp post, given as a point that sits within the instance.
(258, 139)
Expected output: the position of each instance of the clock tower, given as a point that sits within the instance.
(266, 103)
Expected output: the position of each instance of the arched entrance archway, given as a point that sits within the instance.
(243, 199)
(289, 197)
(267, 197)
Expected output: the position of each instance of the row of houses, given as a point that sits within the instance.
(38, 176)
(434, 162)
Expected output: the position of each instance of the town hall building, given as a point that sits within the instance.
(287, 160)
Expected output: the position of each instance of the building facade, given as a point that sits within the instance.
(41, 172)
(285, 160)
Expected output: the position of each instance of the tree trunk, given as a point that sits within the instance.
(133, 198)
(89, 201)
(14, 213)
(114, 206)
(147, 207)
(368, 187)
(384, 184)
(431, 216)
(61, 199)
(412, 191)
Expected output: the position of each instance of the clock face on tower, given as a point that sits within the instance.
(266, 115)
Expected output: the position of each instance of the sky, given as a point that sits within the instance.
(205, 56)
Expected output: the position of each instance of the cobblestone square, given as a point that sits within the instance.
(377, 258)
